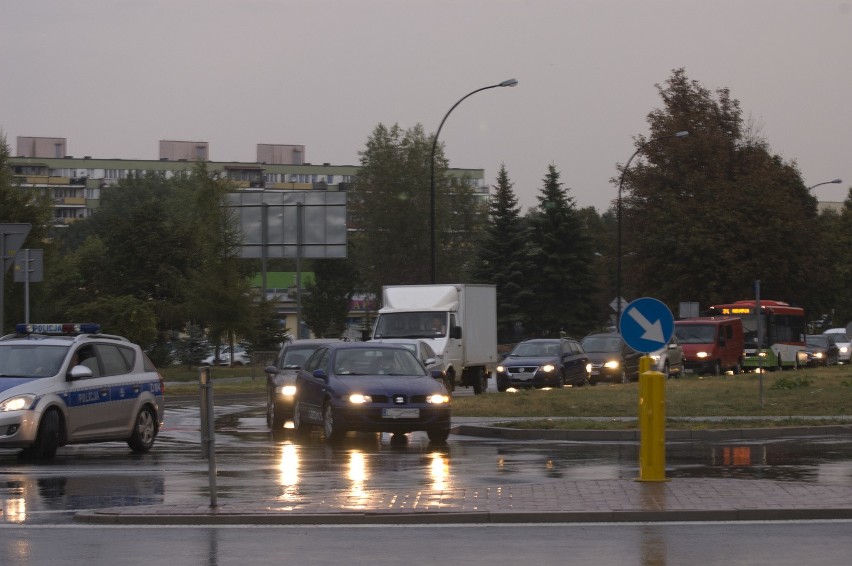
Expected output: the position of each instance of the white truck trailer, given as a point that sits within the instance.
(458, 320)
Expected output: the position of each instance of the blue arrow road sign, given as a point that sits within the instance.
(646, 325)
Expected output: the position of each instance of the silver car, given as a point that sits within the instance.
(669, 359)
(67, 384)
(844, 344)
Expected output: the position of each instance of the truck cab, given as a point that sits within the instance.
(459, 322)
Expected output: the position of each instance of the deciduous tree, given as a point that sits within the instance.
(707, 215)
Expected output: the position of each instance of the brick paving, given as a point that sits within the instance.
(690, 499)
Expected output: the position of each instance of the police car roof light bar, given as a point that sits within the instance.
(59, 328)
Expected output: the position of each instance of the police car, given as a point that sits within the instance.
(68, 384)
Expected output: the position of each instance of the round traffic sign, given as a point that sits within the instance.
(646, 325)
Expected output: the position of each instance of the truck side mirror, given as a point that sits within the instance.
(456, 332)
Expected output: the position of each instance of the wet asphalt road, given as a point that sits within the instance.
(254, 464)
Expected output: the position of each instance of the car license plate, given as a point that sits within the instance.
(400, 413)
(595, 372)
(523, 376)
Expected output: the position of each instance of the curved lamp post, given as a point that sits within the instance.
(509, 82)
(682, 134)
(836, 181)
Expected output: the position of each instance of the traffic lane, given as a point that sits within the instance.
(816, 543)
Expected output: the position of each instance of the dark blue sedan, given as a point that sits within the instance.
(370, 387)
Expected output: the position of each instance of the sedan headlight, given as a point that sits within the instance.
(612, 364)
(358, 399)
(702, 355)
(18, 403)
(501, 369)
(438, 399)
(287, 390)
(547, 368)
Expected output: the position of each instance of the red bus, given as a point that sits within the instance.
(774, 333)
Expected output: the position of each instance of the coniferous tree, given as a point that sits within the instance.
(502, 259)
(562, 283)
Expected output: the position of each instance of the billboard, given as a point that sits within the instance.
(291, 224)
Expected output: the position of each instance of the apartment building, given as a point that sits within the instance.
(75, 183)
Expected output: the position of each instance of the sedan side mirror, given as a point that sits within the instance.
(320, 374)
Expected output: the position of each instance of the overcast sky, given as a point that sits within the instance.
(116, 76)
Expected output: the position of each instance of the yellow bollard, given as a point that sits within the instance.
(652, 422)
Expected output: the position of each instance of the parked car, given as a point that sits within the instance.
(240, 358)
(281, 379)
(611, 358)
(841, 338)
(821, 350)
(669, 359)
(544, 362)
(369, 387)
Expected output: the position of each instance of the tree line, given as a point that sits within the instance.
(701, 218)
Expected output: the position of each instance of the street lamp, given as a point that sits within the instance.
(682, 134)
(509, 82)
(836, 181)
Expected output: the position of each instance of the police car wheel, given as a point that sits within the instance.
(144, 431)
(47, 440)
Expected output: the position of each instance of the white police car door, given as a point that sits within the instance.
(103, 405)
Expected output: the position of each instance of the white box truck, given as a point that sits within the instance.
(458, 320)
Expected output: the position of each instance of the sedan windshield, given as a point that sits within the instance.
(378, 361)
(296, 356)
(24, 360)
(535, 350)
(602, 344)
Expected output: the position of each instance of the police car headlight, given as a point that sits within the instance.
(18, 403)
(547, 368)
(287, 390)
(438, 399)
(612, 364)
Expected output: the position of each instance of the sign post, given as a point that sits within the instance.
(12, 237)
(646, 326)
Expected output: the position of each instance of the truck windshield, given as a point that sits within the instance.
(411, 325)
(696, 333)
